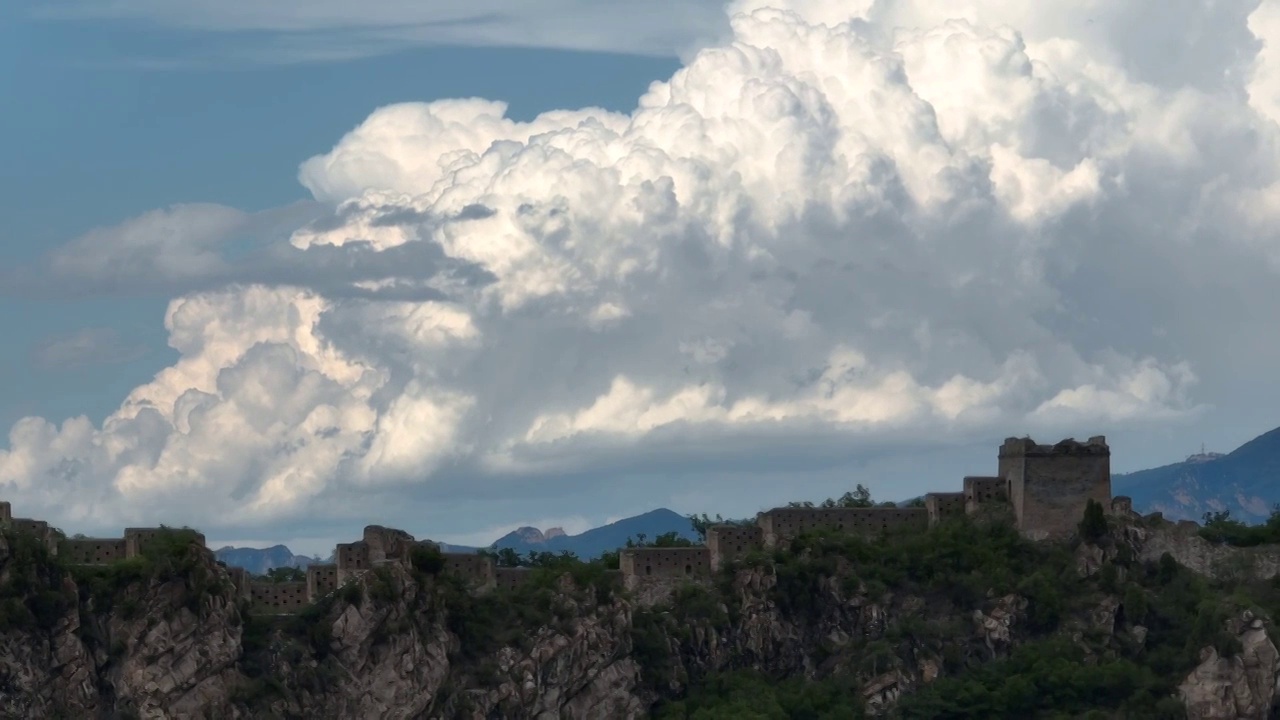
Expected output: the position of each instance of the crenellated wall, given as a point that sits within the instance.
(727, 543)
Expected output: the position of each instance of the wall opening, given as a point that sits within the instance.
(688, 569)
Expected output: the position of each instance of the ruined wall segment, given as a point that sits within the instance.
(322, 579)
(240, 582)
(981, 491)
(137, 540)
(92, 551)
(284, 597)
(727, 543)
(941, 506)
(780, 525)
(38, 529)
(676, 562)
(352, 560)
(475, 569)
(6, 513)
(1050, 485)
(509, 579)
(1122, 506)
(384, 543)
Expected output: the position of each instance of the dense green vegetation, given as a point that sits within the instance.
(949, 571)
(925, 588)
(1221, 527)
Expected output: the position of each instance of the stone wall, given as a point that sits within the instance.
(1122, 506)
(981, 490)
(240, 582)
(385, 543)
(91, 551)
(285, 597)
(727, 543)
(476, 569)
(782, 524)
(38, 529)
(941, 506)
(136, 540)
(510, 578)
(1049, 485)
(652, 574)
(352, 559)
(676, 562)
(6, 512)
(322, 579)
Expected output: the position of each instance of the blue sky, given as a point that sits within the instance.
(734, 263)
(104, 136)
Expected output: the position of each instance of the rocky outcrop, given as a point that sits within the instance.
(157, 650)
(1218, 561)
(1241, 686)
(176, 642)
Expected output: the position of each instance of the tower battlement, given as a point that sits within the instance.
(1026, 447)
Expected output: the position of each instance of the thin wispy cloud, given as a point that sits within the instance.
(85, 348)
(293, 31)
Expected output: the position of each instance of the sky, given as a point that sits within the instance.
(282, 270)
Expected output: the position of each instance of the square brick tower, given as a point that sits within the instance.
(1049, 485)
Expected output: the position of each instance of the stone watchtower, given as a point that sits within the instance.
(1050, 485)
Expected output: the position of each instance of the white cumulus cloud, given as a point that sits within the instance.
(848, 224)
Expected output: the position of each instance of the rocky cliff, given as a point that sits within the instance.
(168, 637)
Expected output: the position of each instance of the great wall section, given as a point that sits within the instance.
(1042, 489)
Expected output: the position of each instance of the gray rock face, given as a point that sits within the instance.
(1238, 687)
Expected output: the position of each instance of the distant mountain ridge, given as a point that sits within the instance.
(586, 545)
(597, 541)
(260, 560)
(1245, 482)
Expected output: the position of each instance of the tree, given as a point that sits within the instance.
(671, 539)
(286, 574)
(507, 557)
(1094, 524)
(860, 497)
(701, 523)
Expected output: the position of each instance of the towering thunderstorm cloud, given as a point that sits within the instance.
(849, 220)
